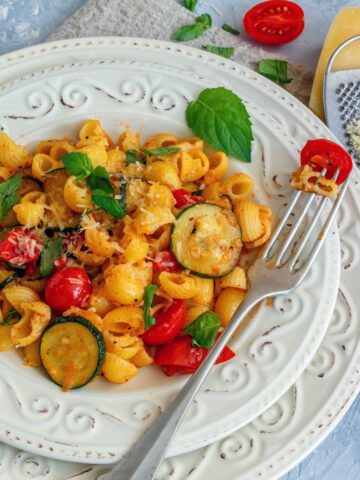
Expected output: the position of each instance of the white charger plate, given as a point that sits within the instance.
(98, 423)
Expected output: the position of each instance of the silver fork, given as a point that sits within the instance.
(276, 272)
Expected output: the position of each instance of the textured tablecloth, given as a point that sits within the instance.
(159, 19)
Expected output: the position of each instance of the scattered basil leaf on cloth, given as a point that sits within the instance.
(149, 293)
(226, 52)
(204, 329)
(205, 20)
(78, 164)
(190, 4)
(194, 30)
(51, 252)
(275, 70)
(9, 194)
(219, 117)
(230, 29)
(108, 203)
(160, 151)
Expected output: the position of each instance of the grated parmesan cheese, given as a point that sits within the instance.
(353, 130)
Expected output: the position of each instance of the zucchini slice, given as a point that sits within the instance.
(72, 351)
(206, 239)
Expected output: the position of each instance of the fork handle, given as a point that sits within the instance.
(143, 459)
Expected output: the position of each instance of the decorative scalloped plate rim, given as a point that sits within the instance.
(291, 102)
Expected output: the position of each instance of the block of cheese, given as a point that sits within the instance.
(345, 25)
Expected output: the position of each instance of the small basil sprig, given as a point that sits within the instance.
(149, 293)
(99, 180)
(204, 329)
(226, 52)
(51, 252)
(220, 117)
(12, 317)
(230, 29)
(275, 70)
(79, 164)
(109, 203)
(9, 194)
(190, 4)
(133, 156)
(194, 30)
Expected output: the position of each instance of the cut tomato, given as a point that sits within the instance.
(165, 261)
(169, 323)
(69, 287)
(274, 22)
(20, 247)
(183, 197)
(180, 356)
(323, 153)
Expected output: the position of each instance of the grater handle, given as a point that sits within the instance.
(343, 45)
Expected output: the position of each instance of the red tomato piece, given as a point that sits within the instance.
(69, 287)
(20, 247)
(169, 323)
(166, 262)
(323, 153)
(180, 356)
(183, 197)
(274, 22)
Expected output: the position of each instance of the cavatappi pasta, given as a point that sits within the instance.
(184, 224)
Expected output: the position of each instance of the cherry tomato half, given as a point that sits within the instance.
(69, 287)
(322, 153)
(169, 323)
(180, 356)
(20, 247)
(183, 197)
(274, 22)
(166, 262)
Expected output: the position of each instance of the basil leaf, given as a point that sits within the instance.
(220, 117)
(133, 156)
(78, 164)
(204, 20)
(204, 329)
(190, 4)
(12, 317)
(188, 32)
(9, 194)
(226, 52)
(108, 204)
(149, 293)
(229, 29)
(100, 179)
(160, 151)
(51, 252)
(275, 70)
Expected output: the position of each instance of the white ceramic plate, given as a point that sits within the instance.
(127, 81)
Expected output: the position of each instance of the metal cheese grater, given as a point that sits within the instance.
(341, 94)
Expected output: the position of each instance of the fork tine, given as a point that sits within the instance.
(295, 227)
(311, 227)
(295, 197)
(293, 230)
(324, 231)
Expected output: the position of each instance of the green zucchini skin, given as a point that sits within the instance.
(93, 330)
(196, 209)
(7, 280)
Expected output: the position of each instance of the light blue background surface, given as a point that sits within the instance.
(27, 22)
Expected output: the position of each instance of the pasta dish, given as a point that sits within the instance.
(116, 255)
